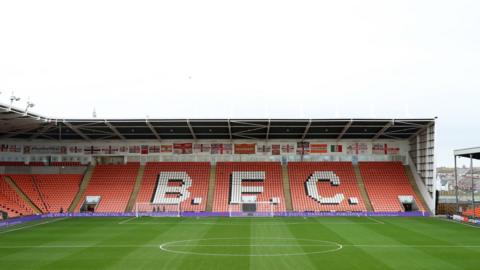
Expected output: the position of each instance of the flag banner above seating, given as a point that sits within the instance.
(35, 149)
(166, 148)
(385, 149)
(221, 148)
(275, 149)
(357, 149)
(336, 148)
(318, 148)
(109, 150)
(379, 149)
(91, 150)
(182, 148)
(75, 150)
(245, 148)
(123, 149)
(134, 149)
(393, 150)
(288, 148)
(201, 148)
(263, 149)
(144, 150)
(154, 149)
(12, 148)
(303, 148)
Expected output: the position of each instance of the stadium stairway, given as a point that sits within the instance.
(211, 188)
(83, 186)
(42, 199)
(22, 195)
(136, 188)
(413, 183)
(363, 191)
(286, 188)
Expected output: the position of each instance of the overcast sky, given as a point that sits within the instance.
(248, 59)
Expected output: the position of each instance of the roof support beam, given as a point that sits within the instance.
(191, 130)
(13, 134)
(42, 131)
(76, 130)
(153, 130)
(114, 130)
(420, 131)
(382, 131)
(345, 129)
(268, 129)
(229, 129)
(306, 129)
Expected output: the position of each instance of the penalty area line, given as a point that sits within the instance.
(376, 220)
(126, 220)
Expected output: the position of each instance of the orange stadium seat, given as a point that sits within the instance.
(272, 186)
(11, 202)
(469, 212)
(299, 172)
(114, 183)
(28, 186)
(384, 182)
(43, 190)
(50, 184)
(199, 172)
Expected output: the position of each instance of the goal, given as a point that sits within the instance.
(252, 209)
(157, 209)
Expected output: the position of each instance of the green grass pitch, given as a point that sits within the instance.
(241, 243)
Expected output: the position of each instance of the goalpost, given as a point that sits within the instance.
(252, 209)
(157, 209)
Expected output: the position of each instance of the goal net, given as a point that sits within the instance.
(157, 209)
(252, 209)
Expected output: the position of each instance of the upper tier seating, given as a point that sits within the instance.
(300, 172)
(114, 183)
(384, 182)
(199, 172)
(272, 185)
(11, 202)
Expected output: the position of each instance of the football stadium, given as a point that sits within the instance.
(218, 193)
(237, 135)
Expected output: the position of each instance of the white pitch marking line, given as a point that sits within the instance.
(34, 225)
(411, 246)
(255, 223)
(251, 245)
(164, 247)
(126, 220)
(376, 220)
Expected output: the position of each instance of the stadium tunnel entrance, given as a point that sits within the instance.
(90, 204)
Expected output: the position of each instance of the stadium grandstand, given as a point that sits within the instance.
(206, 193)
(235, 166)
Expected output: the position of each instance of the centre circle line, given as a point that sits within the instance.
(165, 247)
